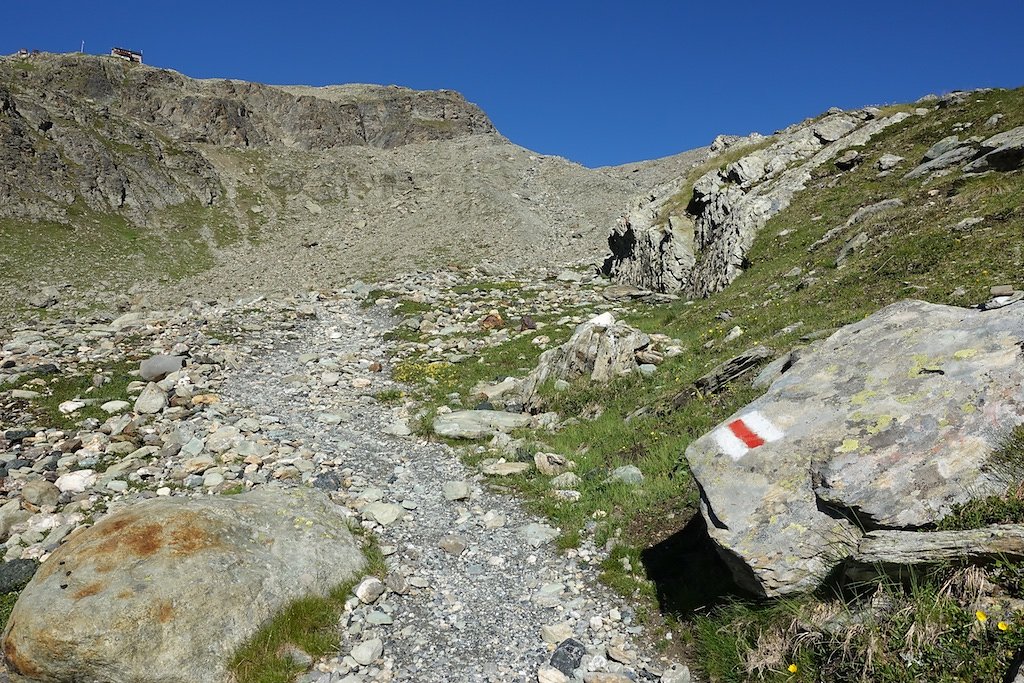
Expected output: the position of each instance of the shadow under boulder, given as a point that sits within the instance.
(687, 571)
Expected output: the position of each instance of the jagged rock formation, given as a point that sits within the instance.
(694, 238)
(120, 135)
(885, 425)
(1001, 152)
(600, 349)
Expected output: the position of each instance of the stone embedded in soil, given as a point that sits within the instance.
(384, 513)
(152, 400)
(368, 651)
(457, 490)
(369, 589)
(477, 424)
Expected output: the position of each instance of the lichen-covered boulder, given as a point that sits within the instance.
(165, 590)
(886, 424)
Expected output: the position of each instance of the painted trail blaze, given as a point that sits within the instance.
(745, 434)
(738, 437)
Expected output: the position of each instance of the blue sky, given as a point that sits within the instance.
(598, 82)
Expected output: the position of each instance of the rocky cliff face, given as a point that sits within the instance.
(121, 136)
(692, 235)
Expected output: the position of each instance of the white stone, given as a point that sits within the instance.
(367, 652)
(212, 479)
(68, 407)
(369, 589)
(111, 407)
(457, 490)
(556, 633)
(151, 401)
(399, 428)
(383, 513)
(493, 520)
(24, 394)
(223, 439)
(76, 482)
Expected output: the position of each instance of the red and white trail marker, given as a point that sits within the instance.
(740, 436)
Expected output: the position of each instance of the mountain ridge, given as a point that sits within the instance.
(199, 177)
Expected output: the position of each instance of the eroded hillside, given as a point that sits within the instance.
(118, 175)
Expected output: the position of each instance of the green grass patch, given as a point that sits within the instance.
(24, 64)
(888, 633)
(390, 396)
(435, 380)
(436, 125)
(409, 307)
(310, 624)
(56, 389)
(371, 297)
(101, 246)
(7, 601)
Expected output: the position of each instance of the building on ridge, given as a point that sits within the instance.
(129, 55)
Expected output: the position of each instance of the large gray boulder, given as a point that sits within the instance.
(885, 425)
(600, 349)
(953, 157)
(155, 368)
(165, 590)
(944, 145)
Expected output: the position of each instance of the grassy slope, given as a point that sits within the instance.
(87, 248)
(913, 252)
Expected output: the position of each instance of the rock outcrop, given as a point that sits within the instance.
(886, 424)
(477, 424)
(694, 238)
(1001, 152)
(600, 350)
(167, 589)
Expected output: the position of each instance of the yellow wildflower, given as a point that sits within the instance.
(793, 668)
(981, 617)
(1003, 626)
